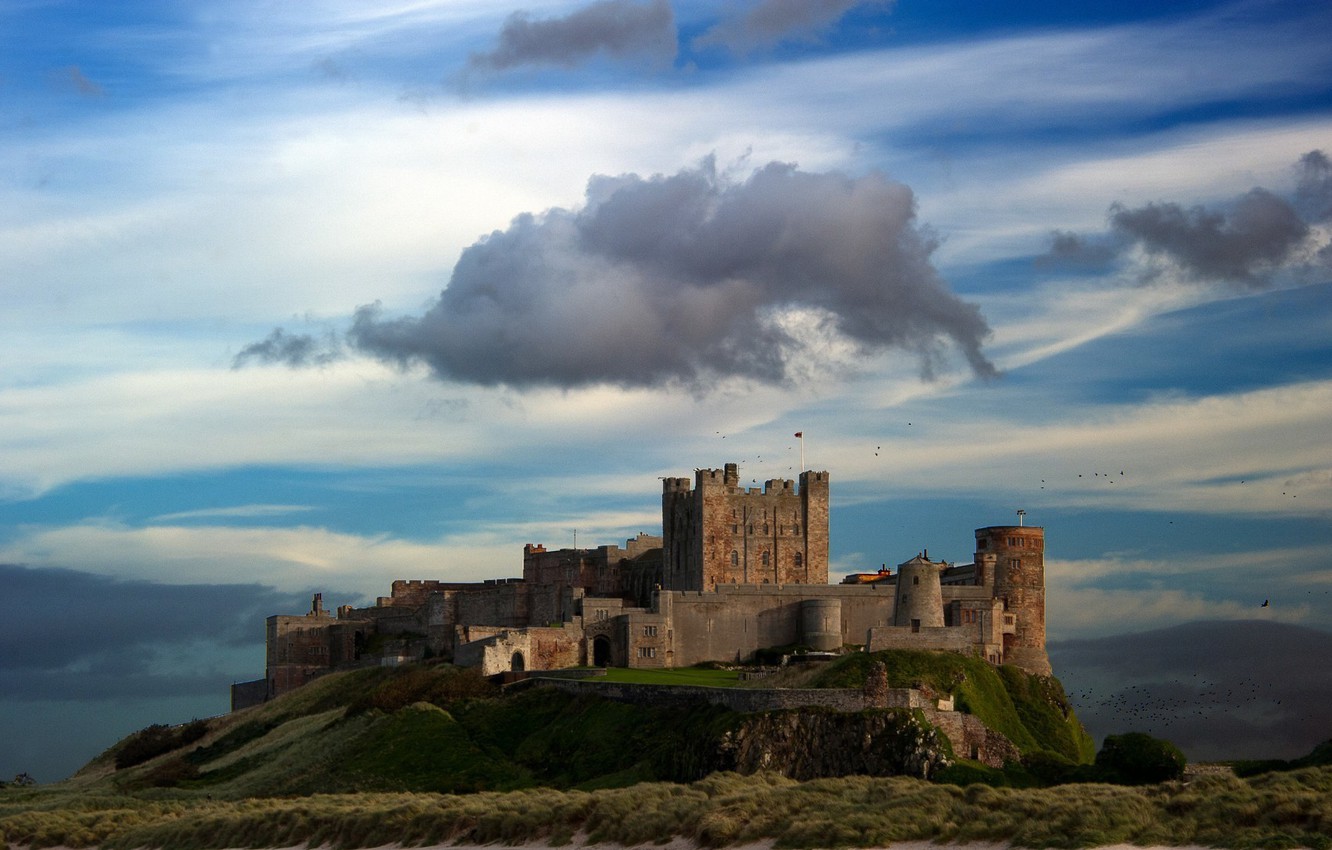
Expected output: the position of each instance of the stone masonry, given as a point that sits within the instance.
(736, 570)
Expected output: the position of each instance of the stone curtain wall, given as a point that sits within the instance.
(744, 700)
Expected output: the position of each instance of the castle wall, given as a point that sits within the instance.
(247, 694)
(745, 700)
(299, 640)
(494, 605)
(952, 639)
(733, 622)
(521, 650)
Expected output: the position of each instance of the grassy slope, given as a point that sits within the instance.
(440, 729)
(1031, 711)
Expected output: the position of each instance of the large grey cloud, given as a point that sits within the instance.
(619, 29)
(1219, 690)
(68, 634)
(1313, 192)
(770, 22)
(681, 279)
(1246, 242)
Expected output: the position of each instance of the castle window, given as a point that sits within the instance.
(799, 559)
(765, 528)
(649, 631)
(751, 529)
(795, 529)
(735, 529)
(1014, 563)
(647, 652)
(735, 558)
(765, 559)
(915, 579)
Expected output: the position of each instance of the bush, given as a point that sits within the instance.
(965, 773)
(157, 740)
(442, 686)
(1136, 758)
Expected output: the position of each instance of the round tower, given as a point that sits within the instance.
(1018, 555)
(919, 602)
(821, 624)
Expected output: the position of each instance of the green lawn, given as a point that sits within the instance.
(681, 676)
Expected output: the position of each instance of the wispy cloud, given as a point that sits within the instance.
(235, 512)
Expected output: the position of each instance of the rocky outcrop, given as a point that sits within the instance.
(810, 744)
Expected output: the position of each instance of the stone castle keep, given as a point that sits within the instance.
(736, 570)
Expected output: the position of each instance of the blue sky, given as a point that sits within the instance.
(309, 297)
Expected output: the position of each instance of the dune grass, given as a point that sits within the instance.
(1275, 811)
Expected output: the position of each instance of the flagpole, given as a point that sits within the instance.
(800, 435)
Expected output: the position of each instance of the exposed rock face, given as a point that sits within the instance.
(808, 744)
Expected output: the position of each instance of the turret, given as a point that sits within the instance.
(919, 602)
(1017, 553)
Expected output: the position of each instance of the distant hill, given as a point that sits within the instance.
(441, 728)
(1220, 690)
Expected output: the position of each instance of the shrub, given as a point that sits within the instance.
(1136, 758)
(157, 740)
(971, 773)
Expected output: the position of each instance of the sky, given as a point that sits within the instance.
(308, 297)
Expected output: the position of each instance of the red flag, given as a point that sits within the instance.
(800, 434)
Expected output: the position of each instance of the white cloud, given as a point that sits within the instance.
(234, 512)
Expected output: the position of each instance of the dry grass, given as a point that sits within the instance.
(1287, 811)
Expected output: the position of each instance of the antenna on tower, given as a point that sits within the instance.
(1021, 514)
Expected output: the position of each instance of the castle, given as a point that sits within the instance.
(736, 570)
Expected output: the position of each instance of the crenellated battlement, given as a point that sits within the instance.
(736, 570)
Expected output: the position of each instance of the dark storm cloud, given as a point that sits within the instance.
(1313, 193)
(620, 29)
(771, 22)
(679, 279)
(1242, 243)
(1256, 236)
(290, 349)
(1071, 249)
(1235, 689)
(72, 635)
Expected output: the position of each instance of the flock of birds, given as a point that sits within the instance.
(1161, 705)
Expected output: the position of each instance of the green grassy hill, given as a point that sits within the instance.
(436, 728)
(1031, 711)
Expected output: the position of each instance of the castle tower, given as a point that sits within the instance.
(1017, 554)
(721, 533)
(919, 602)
